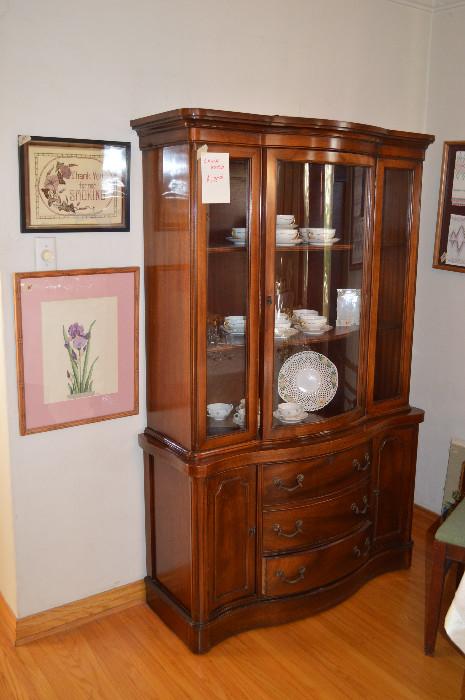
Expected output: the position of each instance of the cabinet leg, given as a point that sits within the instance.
(434, 596)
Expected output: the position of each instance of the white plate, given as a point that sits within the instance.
(292, 242)
(323, 244)
(308, 378)
(236, 241)
(325, 329)
(288, 421)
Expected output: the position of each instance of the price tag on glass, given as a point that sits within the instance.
(215, 178)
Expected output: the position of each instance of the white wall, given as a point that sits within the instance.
(438, 370)
(83, 71)
(7, 544)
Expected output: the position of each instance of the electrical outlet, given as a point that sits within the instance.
(46, 254)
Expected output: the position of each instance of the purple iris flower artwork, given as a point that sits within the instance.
(77, 344)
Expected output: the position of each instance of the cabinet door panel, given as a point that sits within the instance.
(232, 535)
(227, 298)
(396, 457)
(318, 220)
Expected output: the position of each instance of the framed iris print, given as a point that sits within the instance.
(77, 339)
(73, 185)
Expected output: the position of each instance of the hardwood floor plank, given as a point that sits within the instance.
(369, 647)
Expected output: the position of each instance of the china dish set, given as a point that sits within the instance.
(306, 321)
(288, 233)
(221, 411)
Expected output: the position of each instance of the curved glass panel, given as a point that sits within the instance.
(394, 255)
(321, 224)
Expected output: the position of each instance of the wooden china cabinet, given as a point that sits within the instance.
(251, 519)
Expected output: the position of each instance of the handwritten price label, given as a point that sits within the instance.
(215, 178)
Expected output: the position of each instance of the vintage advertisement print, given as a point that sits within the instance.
(77, 346)
(70, 185)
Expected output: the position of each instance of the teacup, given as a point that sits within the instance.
(239, 233)
(290, 410)
(219, 411)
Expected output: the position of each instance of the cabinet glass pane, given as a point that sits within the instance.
(395, 243)
(318, 282)
(227, 305)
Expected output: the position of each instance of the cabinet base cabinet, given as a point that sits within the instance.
(200, 637)
(267, 535)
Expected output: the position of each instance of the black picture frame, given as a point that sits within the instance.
(70, 185)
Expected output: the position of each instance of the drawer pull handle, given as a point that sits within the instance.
(360, 511)
(299, 481)
(362, 466)
(280, 574)
(366, 548)
(298, 529)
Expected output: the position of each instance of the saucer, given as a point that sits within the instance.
(236, 241)
(291, 421)
(287, 333)
(320, 331)
(291, 242)
(323, 244)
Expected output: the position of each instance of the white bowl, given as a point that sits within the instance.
(219, 411)
(285, 218)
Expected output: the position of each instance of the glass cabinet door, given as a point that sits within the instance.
(228, 236)
(318, 213)
(396, 233)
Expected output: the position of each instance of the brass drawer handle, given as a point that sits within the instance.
(299, 481)
(362, 466)
(366, 548)
(298, 529)
(280, 574)
(360, 511)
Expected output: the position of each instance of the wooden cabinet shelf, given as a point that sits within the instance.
(312, 248)
(244, 513)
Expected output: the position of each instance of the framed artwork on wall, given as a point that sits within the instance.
(77, 342)
(73, 185)
(449, 247)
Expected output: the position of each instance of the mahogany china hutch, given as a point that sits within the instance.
(251, 518)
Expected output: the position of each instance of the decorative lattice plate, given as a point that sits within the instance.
(308, 378)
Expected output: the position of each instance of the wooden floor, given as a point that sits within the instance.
(369, 647)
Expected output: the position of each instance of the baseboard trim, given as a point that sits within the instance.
(8, 618)
(77, 613)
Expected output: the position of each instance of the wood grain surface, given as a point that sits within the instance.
(370, 647)
(78, 612)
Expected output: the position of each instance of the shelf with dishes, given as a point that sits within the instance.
(330, 333)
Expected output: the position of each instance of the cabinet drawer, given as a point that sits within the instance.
(308, 525)
(319, 476)
(300, 572)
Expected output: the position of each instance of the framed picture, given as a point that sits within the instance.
(449, 247)
(73, 185)
(77, 340)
